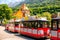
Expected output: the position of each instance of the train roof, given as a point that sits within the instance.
(31, 19)
(57, 18)
(34, 20)
(18, 20)
(11, 20)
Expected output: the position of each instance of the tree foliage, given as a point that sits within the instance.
(5, 12)
(50, 8)
(46, 14)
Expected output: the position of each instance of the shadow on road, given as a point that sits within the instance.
(28, 38)
(25, 37)
(10, 32)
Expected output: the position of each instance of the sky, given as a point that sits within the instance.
(9, 1)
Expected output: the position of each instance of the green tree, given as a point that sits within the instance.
(5, 12)
(39, 15)
(46, 14)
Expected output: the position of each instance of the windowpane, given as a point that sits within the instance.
(30, 25)
(39, 24)
(16, 23)
(33, 24)
(45, 25)
(59, 25)
(36, 25)
(54, 25)
(24, 24)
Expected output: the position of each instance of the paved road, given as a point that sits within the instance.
(5, 35)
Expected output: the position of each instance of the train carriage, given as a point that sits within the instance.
(13, 26)
(35, 28)
(55, 29)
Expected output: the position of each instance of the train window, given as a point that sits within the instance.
(12, 25)
(41, 24)
(21, 24)
(16, 23)
(32, 24)
(55, 25)
(36, 24)
(24, 23)
(59, 25)
(27, 24)
(45, 25)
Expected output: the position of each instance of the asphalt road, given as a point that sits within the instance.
(6, 35)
